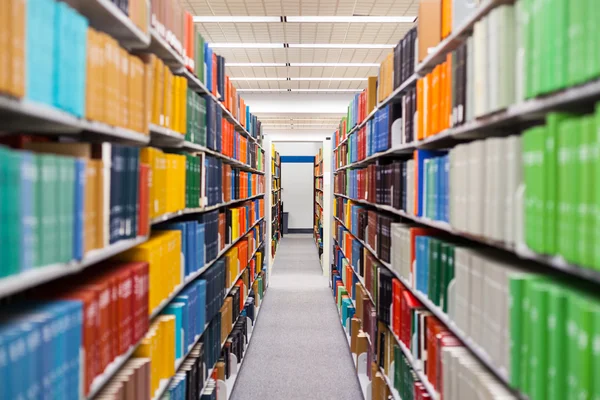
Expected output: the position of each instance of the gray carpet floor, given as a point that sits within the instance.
(298, 348)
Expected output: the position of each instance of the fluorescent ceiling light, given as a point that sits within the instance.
(334, 65)
(294, 79)
(341, 46)
(363, 19)
(230, 18)
(301, 45)
(316, 19)
(247, 45)
(251, 64)
(300, 90)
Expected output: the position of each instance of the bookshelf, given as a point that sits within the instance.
(162, 178)
(276, 202)
(427, 243)
(318, 199)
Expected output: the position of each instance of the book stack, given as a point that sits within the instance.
(169, 97)
(167, 186)
(235, 344)
(117, 89)
(238, 184)
(558, 171)
(212, 342)
(131, 380)
(162, 252)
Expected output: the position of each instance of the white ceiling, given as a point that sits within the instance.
(306, 33)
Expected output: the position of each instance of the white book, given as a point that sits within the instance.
(492, 60)
(498, 177)
(476, 304)
(479, 55)
(488, 183)
(513, 161)
(506, 38)
(460, 298)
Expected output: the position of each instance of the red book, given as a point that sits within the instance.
(214, 75)
(104, 350)
(409, 304)
(397, 289)
(434, 328)
(144, 201)
(140, 300)
(91, 327)
(222, 231)
(124, 277)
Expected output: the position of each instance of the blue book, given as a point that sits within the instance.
(200, 244)
(201, 304)
(13, 349)
(78, 221)
(219, 125)
(40, 51)
(421, 156)
(177, 310)
(356, 252)
(346, 305)
(190, 256)
(208, 62)
(446, 188)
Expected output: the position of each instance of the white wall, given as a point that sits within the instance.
(297, 183)
(298, 135)
(292, 103)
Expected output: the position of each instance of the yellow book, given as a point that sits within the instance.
(168, 101)
(132, 100)
(371, 93)
(258, 265)
(17, 47)
(147, 155)
(101, 71)
(158, 78)
(177, 270)
(148, 93)
(91, 82)
(5, 33)
(162, 182)
(235, 224)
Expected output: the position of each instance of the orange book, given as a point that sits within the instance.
(91, 206)
(446, 18)
(16, 54)
(428, 92)
(420, 110)
(5, 33)
(434, 101)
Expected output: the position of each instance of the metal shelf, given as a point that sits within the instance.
(105, 16)
(199, 148)
(29, 279)
(163, 137)
(553, 262)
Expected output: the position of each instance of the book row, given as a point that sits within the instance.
(394, 70)
(407, 334)
(63, 200)
(106, 311)
(100, 315)
(181, 180)
(368, 225)
(86, 73)
(177, 27)
(386, 184)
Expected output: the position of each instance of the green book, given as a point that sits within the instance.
(533, 171)
(538, 340)
(200, 57)
(69, 208)
(442, 274)
(567, 176)
(10, 169)
(585, 208)
(585, 324)
(596, 194)
(596, 350)
(434, 270)
(572, 347)
(559, 39)
(536, 25)
(553, 121)
(556, 321)
(47, 202)
(592, 30)
(518, 308)
(448, 275)
(576, 42)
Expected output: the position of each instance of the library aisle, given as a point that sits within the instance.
(298, 344)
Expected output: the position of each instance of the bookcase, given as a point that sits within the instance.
(464, 261)
(318, 206)
(133, 205)
(276, 202)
